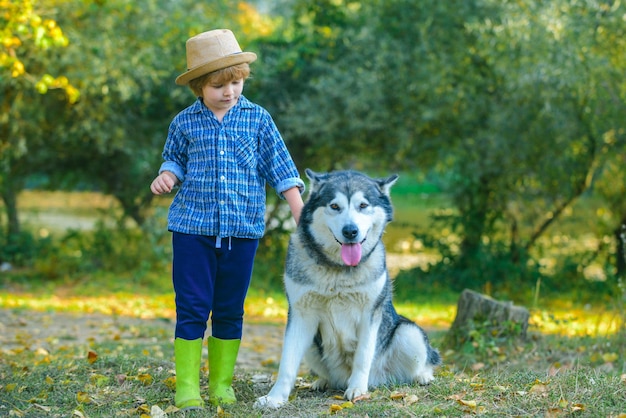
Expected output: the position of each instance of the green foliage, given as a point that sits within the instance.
(473, 92)
(514, 110)
(485, 341)
(22, 248)
(269, 264)
(114, 249)
(490, 267)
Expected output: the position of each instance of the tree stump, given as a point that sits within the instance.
(491, 318)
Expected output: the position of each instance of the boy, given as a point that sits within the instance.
(221, 151)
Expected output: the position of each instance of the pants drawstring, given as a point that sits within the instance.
(218, 243)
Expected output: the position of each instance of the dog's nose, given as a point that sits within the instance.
(350, 231)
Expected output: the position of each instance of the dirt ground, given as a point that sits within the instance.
(261, 343)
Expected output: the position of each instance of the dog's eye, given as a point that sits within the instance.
(334, 206)
(363, 205)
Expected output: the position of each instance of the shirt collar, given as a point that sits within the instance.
(243, 103)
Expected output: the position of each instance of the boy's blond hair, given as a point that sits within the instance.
(219, 77)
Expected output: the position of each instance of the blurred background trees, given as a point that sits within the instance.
(512, 109)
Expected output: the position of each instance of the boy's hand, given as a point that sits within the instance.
(164, 183)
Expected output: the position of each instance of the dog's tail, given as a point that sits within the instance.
(434, 358)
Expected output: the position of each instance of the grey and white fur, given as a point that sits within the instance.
(341, 317)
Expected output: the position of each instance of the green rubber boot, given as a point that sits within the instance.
(222, 358)
(187, 354)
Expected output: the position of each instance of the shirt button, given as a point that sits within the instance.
(222, 178)
(221, 152)
(221, 202)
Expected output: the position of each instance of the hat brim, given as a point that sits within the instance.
(209, 67)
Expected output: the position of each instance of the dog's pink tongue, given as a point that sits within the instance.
(351, 254)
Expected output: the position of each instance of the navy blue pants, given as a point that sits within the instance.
(211, 276)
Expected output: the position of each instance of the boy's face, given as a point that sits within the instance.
(221, 97)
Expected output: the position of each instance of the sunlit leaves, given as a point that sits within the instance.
(23, 33)
(49, 82)
(253, 23)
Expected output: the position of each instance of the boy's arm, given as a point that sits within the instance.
(294, 199)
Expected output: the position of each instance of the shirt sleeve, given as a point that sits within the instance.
(175, 152)
(275, 163)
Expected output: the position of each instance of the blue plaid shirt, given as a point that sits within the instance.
(223, 169)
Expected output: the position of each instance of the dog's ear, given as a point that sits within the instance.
(315, 178)
(386, 183)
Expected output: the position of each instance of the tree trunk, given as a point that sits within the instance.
(9, 197)
(492, 318)
(620, 256)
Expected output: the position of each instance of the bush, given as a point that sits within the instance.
(23, 249)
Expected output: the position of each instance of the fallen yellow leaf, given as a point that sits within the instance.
(43, 360)
(145, 378)
(92, 356)
(268, 362)
(539, 389)
(456, 396)
(83, 397)
(334, 408)
(470, 404)
(42, 352)
(397, 395)
(170, 382)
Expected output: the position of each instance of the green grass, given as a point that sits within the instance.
(543, 376)
(564, 368)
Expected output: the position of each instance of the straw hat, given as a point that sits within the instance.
(212, 51)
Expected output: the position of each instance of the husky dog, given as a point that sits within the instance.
(341, 317)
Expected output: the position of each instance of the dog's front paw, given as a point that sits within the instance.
(354, 392)
(425, 377)
(267, 402)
